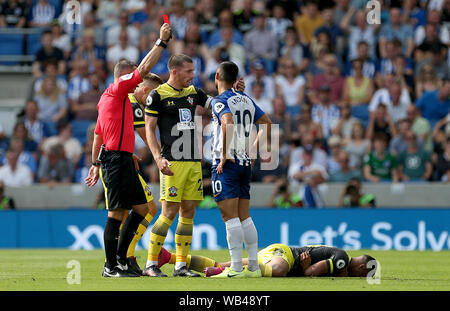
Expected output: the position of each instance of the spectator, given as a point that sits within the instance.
(25, 157)
(283, 198)
(397, 30)
(369, 65)
(294, 50)
(358, 89)
(329, 26)
(54, 168)
(160, 68)
(420, 126)
(306, 126)
(282, 118)
(439, 62)
(88, 50)
(60, 39)
(403, 73)
(290, 7)
(386, 63)
(244, 17)
(433, 19)
(442, 163)
(426, 81)
(50, 70)
(394, 96)
(114, 33)
(85, 108)
(399, 143)
(424, 51)
(331, 77)
(296, 160)
(334, 145)
(307, 23)
(235, 51)
(178, 19)
(381, 121)
(261, 43)
(380, 165)
(6, 203)
(71, 146)
(360, 32)
(51, 101)
(258, 74)
(414, 13)
(312, 174)
(435, 105)
(414, 164)
(48, 52)
(42, 13)
(108, 12)
(343, 126)
(225, 21)
(290, 85)
(345, 173)
(325, 112)
(278, 23)
(15, 174)
(208, 12)
(79, 83)
(35, 127)
(13, 14)
(352, 197)
(21, 132)
(122, 50)
(262, 102)
(84, 163)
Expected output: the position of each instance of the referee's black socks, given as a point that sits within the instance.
(127, 233)
(111, 239)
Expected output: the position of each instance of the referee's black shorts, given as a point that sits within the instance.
(120, 179)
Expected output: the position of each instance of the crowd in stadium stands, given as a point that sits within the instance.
(353, 99)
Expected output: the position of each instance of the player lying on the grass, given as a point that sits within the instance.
(279, 260)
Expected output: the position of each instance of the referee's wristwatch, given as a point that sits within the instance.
(161, 43)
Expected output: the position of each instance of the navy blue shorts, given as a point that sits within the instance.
(234, 182)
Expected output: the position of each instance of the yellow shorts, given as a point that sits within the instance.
(146, 187)
(185, 184)
(276, 250)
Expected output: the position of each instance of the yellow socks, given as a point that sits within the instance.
(183, 238)
(139, 232)
(157, 238)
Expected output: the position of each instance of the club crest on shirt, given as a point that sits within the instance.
(190, 100)
(218, 107)
(147, 189)
(173, 191)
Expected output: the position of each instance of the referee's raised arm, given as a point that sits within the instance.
(152, 57)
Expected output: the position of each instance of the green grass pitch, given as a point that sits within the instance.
(46, 270)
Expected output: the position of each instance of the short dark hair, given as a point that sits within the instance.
(380, 136)
(151, 77)
(367, 259)
(177, 60)
(228, 72)
(122, 65)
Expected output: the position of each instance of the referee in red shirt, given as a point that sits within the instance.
(115, 166)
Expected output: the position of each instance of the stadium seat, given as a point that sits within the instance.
(79, 129)
(33, 43)
(361, 112)
(11, 45)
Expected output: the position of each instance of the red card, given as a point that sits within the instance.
(166, 19)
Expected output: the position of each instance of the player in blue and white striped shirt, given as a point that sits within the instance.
(234, 113)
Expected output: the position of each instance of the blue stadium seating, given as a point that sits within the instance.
(79, 129)
(33, 43)
(11, 44)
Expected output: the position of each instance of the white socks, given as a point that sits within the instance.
(237, 233)
(251, 243)
(235, 240)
